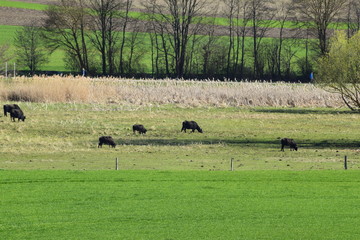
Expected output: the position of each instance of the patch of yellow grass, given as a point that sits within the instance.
(147, 92)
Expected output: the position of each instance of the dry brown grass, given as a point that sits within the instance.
(148, 92)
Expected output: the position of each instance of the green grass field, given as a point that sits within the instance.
(179, 205)
(56, 184)
(65, 136)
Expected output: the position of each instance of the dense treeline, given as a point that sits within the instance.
(181, 38)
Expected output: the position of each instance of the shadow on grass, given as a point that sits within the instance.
(185, 142)
(252, 143)
(340, 144)
(304, 111)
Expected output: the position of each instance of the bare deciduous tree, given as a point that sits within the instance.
(271, 51)
(353, 17)
(238, 18)
(231, 8)
(261, 14)
(126, 20)
(105, 24)
(319, 14)
(212, 53)
(241, 32)
(177, 21)
(65, 26)
(30, 49)
(283, 15)
(160, 41)
(134, 50)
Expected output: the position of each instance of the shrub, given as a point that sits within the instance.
(339, 70)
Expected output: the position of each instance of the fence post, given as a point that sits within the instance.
(232, 164)
(345, 162)
(116, 164)
(6, 69)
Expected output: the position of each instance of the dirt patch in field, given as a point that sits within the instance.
(20, 17)
(136, 3)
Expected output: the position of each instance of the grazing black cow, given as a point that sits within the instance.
(140, 128)
(288, 142)
(17, 113)
(190, 125)
(107, 140)
(9, 107)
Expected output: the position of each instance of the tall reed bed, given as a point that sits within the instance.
(190, 93)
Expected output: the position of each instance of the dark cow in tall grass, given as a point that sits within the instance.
(140, 128)
(9, 107)
(191, 125)
(17, 113)
(107, 140)
(288, 142)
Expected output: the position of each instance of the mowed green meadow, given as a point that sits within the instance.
(57, 184)
(179, 205)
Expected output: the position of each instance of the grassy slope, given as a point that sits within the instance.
(179, 205)
(65, 136)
